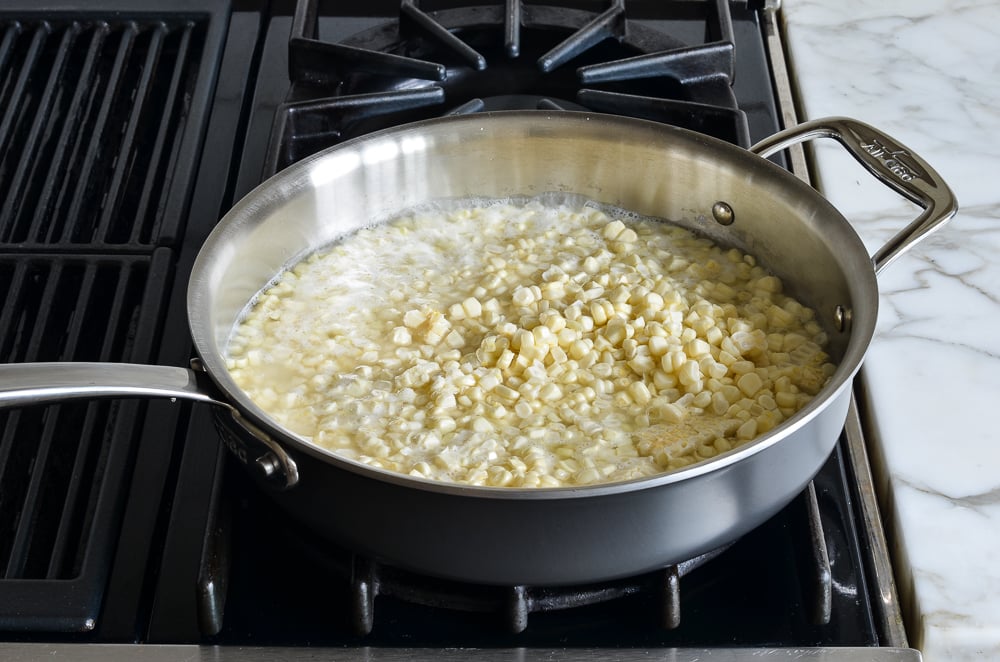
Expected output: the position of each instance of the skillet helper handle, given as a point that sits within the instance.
(26, 384)
(892, 163)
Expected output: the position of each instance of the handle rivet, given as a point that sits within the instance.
(723, 213)
(841, 318)
(267, 465)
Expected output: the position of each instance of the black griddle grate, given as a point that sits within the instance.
(57, 463)
(92, 116)
(101, 121)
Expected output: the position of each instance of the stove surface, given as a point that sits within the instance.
(128, 523)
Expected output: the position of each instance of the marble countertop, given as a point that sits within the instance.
(928, 73)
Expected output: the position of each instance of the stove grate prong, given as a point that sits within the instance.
(471, 106)
(409, 12)
(609, 24)
(818, 564)
(670, 617)
(323, 63)
(518, 607)
(305, 24)
(335, 111)
(512, 28)
(364, 588)
(687, 65)
(720, 23)
(548, 104)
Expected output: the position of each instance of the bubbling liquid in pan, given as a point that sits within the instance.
(528, 344)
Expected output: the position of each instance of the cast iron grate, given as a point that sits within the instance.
(58, 463)
(92, 130)
(472, 58)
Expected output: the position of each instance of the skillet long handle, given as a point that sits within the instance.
(892, 163)
(23, 384)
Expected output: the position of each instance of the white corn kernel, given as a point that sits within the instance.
(697, 348)
(550, 392)
(689, 373)
(747, 430)
(401, 336)
(472, 307)
(613, 229)
(750, 383)
(413, 318)
(639, 392)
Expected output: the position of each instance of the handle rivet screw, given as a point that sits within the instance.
(723, 213)
(841, 318)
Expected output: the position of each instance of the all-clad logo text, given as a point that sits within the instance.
(891, 160)
(235, 447)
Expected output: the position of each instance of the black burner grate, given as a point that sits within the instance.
(503, 56)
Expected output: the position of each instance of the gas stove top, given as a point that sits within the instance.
(127, 131)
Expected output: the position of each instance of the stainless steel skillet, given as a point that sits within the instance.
(538, 536)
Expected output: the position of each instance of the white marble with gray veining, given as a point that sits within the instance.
(928, 73)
